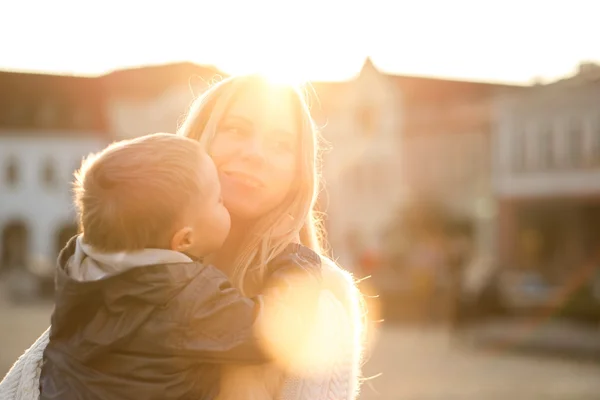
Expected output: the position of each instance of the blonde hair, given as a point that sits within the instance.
(267, 238)
(129, 195)
(297, 211)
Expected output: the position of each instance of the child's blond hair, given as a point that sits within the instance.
(129, 195)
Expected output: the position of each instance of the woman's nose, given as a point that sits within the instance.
(254, 149)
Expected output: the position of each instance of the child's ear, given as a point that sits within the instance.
(182, 239)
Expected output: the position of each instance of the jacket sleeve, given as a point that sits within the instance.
(226, 327)
(220, 323)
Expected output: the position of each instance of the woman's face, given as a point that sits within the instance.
(255, 151)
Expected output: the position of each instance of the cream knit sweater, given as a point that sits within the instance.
(337, 330)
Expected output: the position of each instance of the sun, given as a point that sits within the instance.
(283, 75)
(275, 70)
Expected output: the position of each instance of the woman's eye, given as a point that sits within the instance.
(282, 145)
(231, 129)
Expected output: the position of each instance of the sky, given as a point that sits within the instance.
(503, 41)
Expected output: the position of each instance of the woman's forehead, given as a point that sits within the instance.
(265, 106)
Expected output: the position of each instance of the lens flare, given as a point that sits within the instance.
(303, 335)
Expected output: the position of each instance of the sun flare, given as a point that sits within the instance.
(276, 72)
(284, 76)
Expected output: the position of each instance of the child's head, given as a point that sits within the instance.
(155, 191)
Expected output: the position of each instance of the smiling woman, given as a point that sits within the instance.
(258, 127)
(266, 149)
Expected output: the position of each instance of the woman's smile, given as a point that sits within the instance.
(245, 179)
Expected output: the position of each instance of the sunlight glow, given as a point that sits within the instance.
(287, 76)
(324, 40)
(282, 331)
(276, 72)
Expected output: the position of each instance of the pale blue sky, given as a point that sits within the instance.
(506, 40)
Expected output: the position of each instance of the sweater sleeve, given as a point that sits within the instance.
(334, 350)
(22, 380)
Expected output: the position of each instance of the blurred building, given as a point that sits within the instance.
(360, 120)
(446, 149)
(47, 124)
(153, 98)
(547, 176)
(395, 138)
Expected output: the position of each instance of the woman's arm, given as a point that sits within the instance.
(331, 368)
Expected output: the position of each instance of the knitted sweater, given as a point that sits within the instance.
(336, 335)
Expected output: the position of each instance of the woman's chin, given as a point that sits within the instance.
(242, 210)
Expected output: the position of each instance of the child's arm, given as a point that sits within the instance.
(220, 326)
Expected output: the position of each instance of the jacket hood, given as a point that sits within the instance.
(84, 263)
(102, 298)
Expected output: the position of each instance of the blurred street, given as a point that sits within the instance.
(414, 365)
(421, 365)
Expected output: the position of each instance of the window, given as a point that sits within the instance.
(49, 173)
(518, 143)
(595, 143)
(14, 247)
(574, 144)
(367, 119)
(546, 147)
(11, 172)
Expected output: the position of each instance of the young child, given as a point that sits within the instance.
(137, 314)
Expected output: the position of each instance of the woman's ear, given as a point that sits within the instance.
(182, 239)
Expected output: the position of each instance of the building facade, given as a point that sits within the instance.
(47, 125)
(153, 99)
(446, 150)
(547, 175)
(360, 120)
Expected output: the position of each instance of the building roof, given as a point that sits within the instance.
(73, 103)
(427, 89)
(34, 102)
(152, 80)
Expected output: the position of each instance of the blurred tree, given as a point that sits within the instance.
(416, 220)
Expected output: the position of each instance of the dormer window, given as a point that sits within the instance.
(366, 117)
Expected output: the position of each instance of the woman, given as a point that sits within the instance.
(263, 142)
